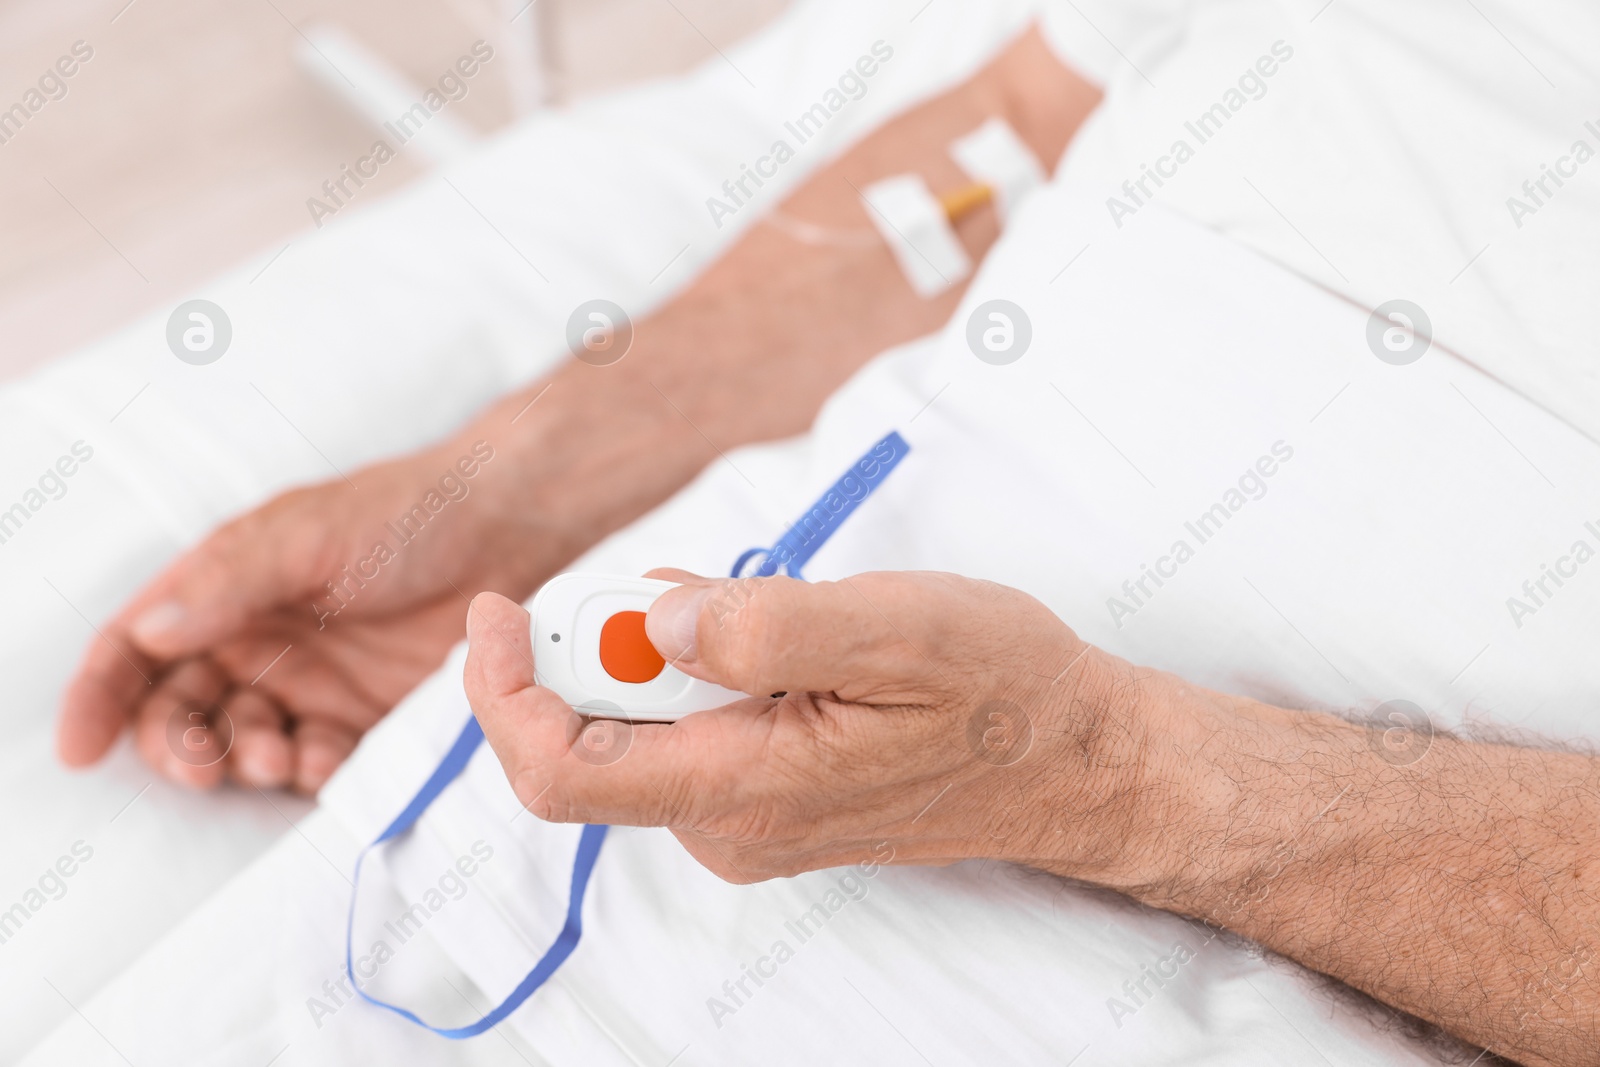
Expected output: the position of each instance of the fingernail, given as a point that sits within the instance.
(674, 618)
(159, 621)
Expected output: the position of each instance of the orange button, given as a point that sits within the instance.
(626, 652)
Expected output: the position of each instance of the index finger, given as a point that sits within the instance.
(113, 677)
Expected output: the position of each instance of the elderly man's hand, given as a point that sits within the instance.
(921, 713)
(264, 652)
(925, 718)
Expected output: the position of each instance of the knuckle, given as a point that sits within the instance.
(553, 807)
(723, 860)
(734, 875)
(538, 796)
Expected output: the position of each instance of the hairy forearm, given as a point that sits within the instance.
(752, 348)
(1454, 880)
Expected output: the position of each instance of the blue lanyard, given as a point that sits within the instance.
(793, 550)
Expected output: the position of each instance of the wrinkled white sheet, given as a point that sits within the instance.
(1184, 360)
(1083, 460)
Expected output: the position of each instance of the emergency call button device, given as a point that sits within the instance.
(590, 647)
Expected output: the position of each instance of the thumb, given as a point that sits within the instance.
(860, 636)
(499, 648)
(217, 588)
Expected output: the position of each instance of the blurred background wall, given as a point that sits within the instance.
(197, 129)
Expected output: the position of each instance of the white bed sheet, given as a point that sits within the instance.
(1330, 589)
(419, 282)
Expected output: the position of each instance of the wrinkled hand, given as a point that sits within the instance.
(937, 716)
(242, 636)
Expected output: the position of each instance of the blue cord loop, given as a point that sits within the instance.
(793, 550)
(796, 547)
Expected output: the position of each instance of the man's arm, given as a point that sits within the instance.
(752, 348)
(934, 718)
(1455, 880)
(288, 624)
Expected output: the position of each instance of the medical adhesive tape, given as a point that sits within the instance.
(995, 155)
(914, 226)
(796, 546)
